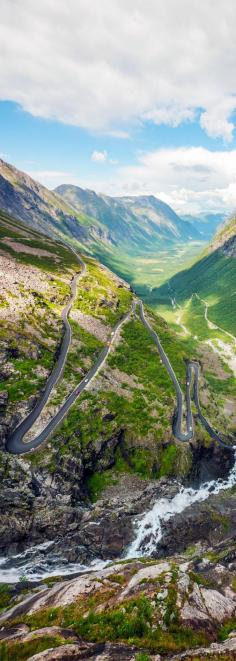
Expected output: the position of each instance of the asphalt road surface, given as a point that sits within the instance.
(17, 445)
(192, 377)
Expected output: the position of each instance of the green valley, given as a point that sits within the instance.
(212, 277)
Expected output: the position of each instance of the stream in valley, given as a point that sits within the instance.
(37, 562)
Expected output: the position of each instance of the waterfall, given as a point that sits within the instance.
(149, 526)
(39, 561)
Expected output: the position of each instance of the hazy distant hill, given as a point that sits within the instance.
(206, 223)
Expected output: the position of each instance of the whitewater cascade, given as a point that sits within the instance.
(38, 562)
(149, 527)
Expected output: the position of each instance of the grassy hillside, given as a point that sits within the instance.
(34, 285)
(227, 232)
(43, 210)
(133, 223)
(213, 278)
(123, 422)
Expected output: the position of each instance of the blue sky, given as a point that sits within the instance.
(52, 145)
(89, 95)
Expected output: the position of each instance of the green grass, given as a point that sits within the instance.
(26, 383)
(3, 302)
(221, 386)
(11, 228)
(214, 278)
(168, 463)
(20, 651)
(97, 482)
(226, 629)
(100, 295)
(141, 421)
(131, 622)
(149, 269)
(5, 597)
(137, 356)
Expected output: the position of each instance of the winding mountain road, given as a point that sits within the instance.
(17, 445)
(192, 376)
(179, 395)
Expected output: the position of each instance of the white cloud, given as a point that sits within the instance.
(123, 135)
(99, 156)
(190, 179)
(215, 121)
(102, 157)
(172, 115)
(103, 65)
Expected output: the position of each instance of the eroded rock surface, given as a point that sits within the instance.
(170, 606)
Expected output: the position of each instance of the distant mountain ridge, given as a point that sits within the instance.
(206, 223)
(142, 219)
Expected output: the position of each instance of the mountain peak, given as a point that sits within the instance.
(138, 224)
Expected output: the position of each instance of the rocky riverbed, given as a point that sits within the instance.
(179, 608)
(49, 526)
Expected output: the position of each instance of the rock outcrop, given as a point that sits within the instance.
(182, 608)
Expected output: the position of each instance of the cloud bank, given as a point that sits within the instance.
(191, 179)
(105, 65)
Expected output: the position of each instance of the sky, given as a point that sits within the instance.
(123, 96)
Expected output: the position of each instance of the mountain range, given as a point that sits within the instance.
(118, 229)
(133, 222)
(206, 223)
(101, 222)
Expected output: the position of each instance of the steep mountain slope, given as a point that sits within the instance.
(134, 222)
(212, 277)
(42, 209)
